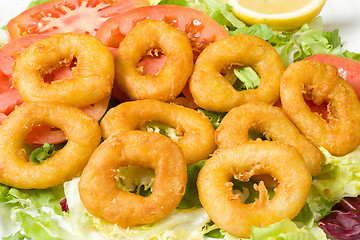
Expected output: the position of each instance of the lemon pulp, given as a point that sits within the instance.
(273, 6)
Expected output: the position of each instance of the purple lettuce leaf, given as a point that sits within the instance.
(343, 221)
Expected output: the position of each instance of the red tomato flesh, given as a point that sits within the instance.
(7, 52)
(57, 16)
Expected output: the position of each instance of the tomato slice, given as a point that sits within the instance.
(348, 69)
(7, 53)
(81, 16)
(9, 100)
(9, 97)
(201, 28)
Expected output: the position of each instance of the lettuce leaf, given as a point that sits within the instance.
(343, 222)
(283, 230)
(248, 77)
(339, 178)
(16, 236)
(191, 197)
(42, 153)
(35, 212)
(259, 30)
(181, 224)
(222, 14)
(309, 39)
(214, 117)
(288, 230)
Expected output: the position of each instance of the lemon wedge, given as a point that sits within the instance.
(277, 14)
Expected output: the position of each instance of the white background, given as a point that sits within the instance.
(337, 14)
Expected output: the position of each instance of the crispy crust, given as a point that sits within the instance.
(170, 81)
(213, 92)
(82, 132)
(320, 83)
(91, 80)
(271, 121)
(227, 210)
(101, 195)
(197, 133)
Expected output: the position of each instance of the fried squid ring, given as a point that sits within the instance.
(91, 80)
(170, 81)
(196, 132)
(83, 134)
(213, 92)
(320, 83)
(46, 134)
(103, 198)
(271, 121)
(227, 210)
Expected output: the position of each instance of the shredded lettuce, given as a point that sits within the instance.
(248, 78)
(288, 230)
(42, 153)
(191, 197)
(339, 178)
(214, 117)
(181, 224)
(302, 227)
(17, 236)
(35, 212)
(162, 128)
(136, 180)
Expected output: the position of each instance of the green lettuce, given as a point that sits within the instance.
(259, 30)
(300, 43)
(222, 13)
(248, 78)
(191, 197)
(162, 128)
(42, 153)
(287, 230)
(302, 227)
(214, 117)
(17, 236)
(35, 212)
(339, 178)
(181, 224)
(309, 39)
